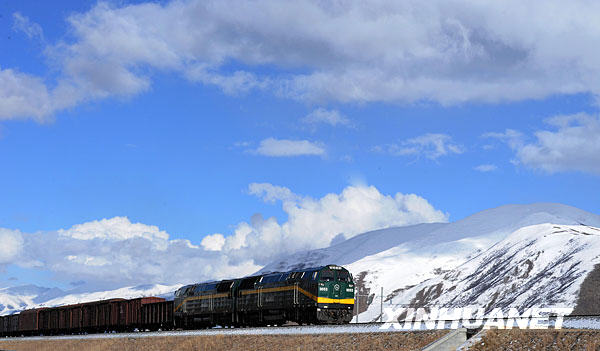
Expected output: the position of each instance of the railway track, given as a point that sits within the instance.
(569, 322)
(275, 330)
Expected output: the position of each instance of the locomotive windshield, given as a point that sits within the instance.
(344, 276)
(327, 275)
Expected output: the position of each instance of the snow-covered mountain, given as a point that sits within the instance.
(490, 225)
(17, 298)
(513, 253)
(30, 296)
(542, 265)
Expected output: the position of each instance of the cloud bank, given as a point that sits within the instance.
(573, 145)
(116, 252)
(11, 247)
(353, 51)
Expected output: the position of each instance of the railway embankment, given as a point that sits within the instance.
(403, 341)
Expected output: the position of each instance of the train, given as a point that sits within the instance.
(319, 295)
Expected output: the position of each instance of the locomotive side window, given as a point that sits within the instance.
(248, 283)
(314, 277)
(224, 286)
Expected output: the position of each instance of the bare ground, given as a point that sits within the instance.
(360, 341)
(516, 339)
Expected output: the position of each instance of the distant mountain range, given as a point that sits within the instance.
(512, 256)
(30, 296)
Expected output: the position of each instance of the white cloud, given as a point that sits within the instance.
(313, 223)
(23, 95)
(25, 25)
(115, 252)
(574, 145)
(486, 168)
(430, 145)
(115, 229)
(11, 245)
(271, 193)
(352, 51)
(286, 148)
(513, 138)
(88, 260)
(213, 242)
(331, 117)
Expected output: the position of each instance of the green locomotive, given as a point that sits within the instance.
(321, 295)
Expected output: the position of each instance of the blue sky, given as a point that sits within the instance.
(99, 122)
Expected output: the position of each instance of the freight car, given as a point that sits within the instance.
(150, 313)
(308, 296)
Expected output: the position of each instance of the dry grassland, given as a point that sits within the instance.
(516, 339)
(330, 342)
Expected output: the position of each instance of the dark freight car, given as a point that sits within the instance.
(108, 315)
(27, 322)
(12, 324)
(4, 325)
(133, 310)
(99, 316)
(75, 322)
(48, 320)
(157, 315)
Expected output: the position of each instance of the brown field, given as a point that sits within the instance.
(366, 341)
(515, 339)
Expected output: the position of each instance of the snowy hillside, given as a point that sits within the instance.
(17, 298)
(353, 249)
(401, 259)
(537, 266)
(165, 291)
(30, 296)
(489, 225)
